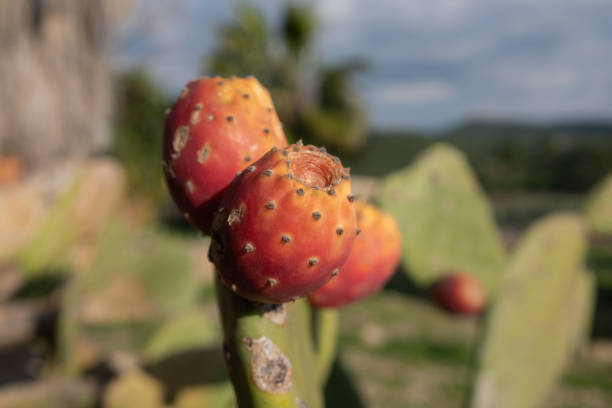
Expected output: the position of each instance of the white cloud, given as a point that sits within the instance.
(457, 58)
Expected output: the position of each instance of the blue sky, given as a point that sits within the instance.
(435, 62)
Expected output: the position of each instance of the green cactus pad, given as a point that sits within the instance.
(529, 333)
(207, 396)
(599, 207)
(445, 219)
(189, 330)
(84, 200)
(581, 308)
(133, 283)
(149, 269)
(134, 389)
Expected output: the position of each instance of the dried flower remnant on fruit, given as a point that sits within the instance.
(236, 215)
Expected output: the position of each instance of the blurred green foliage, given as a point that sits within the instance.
(136, 281)
(504, 155)
(189, 329)
(316, 102)
(138, 131)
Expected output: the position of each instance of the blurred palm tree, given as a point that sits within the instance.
(316, 102)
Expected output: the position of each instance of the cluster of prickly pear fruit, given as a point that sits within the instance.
(285, 226)
(216, 128)
(371, 263)
(282, 221)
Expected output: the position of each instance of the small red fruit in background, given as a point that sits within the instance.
(216, 128)
(459, 293)
(286, 224)
(371, 263)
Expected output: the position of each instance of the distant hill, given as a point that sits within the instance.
(505, 155)
(482, 134)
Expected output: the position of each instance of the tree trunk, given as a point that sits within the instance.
(55, 88)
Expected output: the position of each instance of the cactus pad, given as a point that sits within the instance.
(132, 283)
(599, 207)
(530, 334)
(445, 220)
(81, 198)
(582, 306)
(188, 330)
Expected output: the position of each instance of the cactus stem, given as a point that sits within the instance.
(269, 352)
(325, 326)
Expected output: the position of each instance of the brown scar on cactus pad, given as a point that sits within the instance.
(270, 369)
(373, 259)
(209, 136)
(299, 238)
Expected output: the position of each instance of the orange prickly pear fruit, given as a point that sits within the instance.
(371, 263)
(459, 293)
(216, 128)
(285, 225)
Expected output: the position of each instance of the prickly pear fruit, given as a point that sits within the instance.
(285, 226)
(459, 293)
(216, 128)
(372, 261)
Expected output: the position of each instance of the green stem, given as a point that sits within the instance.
(269, 352)
(325, 323)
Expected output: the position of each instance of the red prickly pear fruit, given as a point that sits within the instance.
(459, 293)
(371, 263)
(216, 128)
(286, 223)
